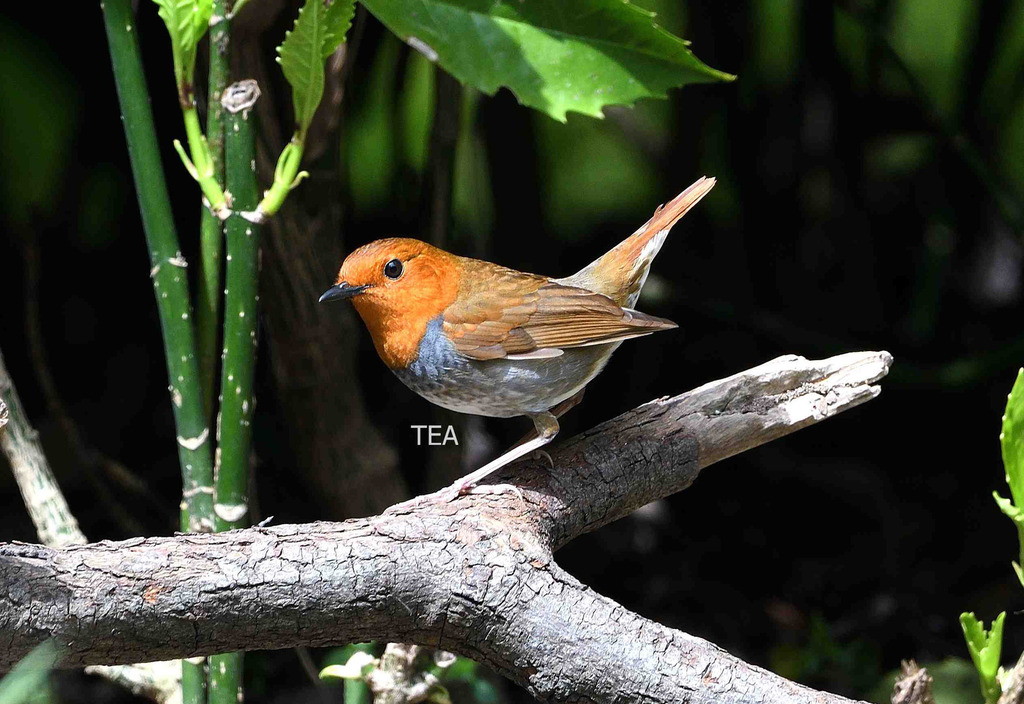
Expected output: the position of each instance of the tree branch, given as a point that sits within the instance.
(474, 576)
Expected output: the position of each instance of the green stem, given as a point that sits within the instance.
(237, 7)
(193, 681)
(210, 231)
(200, 165)
(193, 671)
(357, 691)
(286, 177)
(170, 285)
(1020, 543)
(168, 267)
(240, 314)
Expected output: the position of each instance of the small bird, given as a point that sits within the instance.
(479, 338)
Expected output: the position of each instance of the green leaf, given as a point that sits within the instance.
(1011, 438)
(337, 20)
(578, 55)
(985, 648)
(317, 33)
(187, 22)
(37, 127)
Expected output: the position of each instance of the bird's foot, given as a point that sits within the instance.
(466, 488)
(494, 490)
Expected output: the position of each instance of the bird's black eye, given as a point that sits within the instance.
(393, 269)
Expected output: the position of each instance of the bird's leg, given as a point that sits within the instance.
(546, 426)
(557, 411)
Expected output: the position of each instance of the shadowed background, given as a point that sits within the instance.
(870, 196)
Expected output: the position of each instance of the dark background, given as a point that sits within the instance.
(870, 165)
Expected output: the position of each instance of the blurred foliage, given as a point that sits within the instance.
(933, 38)
(472, 197)
(38, 119)
(369, 140)
(458, 677)
(825, 662)
(954, 681)
(28, 682)
(416, 111)
(776, 52)
(576, 194)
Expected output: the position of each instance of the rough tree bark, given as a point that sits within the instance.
(474, 576)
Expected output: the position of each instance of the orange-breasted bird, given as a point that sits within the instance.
(479, 338)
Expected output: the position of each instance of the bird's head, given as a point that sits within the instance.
(397, 286)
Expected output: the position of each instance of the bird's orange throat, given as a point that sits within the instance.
(397, 321)
(395, 337)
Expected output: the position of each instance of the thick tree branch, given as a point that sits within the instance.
(474, 575)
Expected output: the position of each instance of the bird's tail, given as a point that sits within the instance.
(622, 271)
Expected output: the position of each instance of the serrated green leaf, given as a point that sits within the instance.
(317, 33)
(578, 55)
(993, 650)
(986, 649)
(187, 22)
(337, 20)
(1011, 439)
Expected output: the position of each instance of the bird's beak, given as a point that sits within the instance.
(339, 292)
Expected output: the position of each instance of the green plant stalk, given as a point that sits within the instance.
(193, 681)
(193, 672)
(240, 315)
(200, 165)
(210, 227)
(1020, 543)
(170, 285)
(168, 268)
(357, 691)
(286, 177)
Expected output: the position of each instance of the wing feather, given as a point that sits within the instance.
(508, 314)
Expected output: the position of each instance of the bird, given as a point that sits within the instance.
(483, 339)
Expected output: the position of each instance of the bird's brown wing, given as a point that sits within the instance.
(511, 314)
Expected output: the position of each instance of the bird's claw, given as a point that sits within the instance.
(495, 489)
(456, 490)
